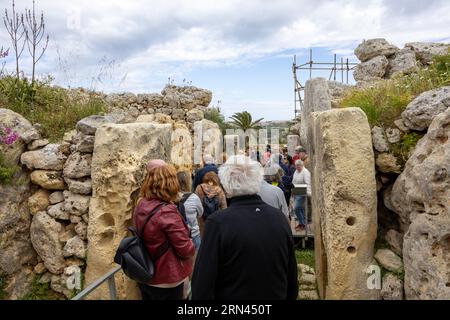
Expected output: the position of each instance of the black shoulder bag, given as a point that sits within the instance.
(133, 256)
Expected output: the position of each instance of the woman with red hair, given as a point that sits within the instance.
(166, 234)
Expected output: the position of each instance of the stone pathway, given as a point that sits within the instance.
(307, 283)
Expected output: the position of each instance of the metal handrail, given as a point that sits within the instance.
(109, 276)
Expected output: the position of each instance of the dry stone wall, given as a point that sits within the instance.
(50, 225)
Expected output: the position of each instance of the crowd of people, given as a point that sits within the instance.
(227, 234)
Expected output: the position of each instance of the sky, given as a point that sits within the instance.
(240, 50)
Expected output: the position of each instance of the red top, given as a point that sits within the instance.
(166, 225)
(295, 158)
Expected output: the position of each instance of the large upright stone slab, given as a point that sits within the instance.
(317, 98)
(121, 153)
(344, 203)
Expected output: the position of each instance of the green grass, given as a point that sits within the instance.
(384, 101)
(403, 149)
(53, 107)
(305, 256)
(7, 171)
(41, 291)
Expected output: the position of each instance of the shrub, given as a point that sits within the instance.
(53, 107)
(384, 101)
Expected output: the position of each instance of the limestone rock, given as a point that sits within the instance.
(387, 163)
(178, 114)
(48, 158)
(76, 204)
(45, 239)
(16, 250)
(20, 125)
(56, 197)
(403, 62)
(393, 135)
(81, 230)
(68, 136)
(45, 278)
(50, 180)
(395, 240)
(79, 186)
(425, 51)
(78, 166)
(182, 145)
(374, 47)
(118, 168)
(36, 144)
(58, 212)
(67, 234)
(392, 288)
(307, 278)
(373, 69)
(156, 118)
(75, 247)
(387, 198)
(305, 269)
(19, 284)
(39, 201)
(389, 260)
(58, 284)
(379, 140)
(308, 295)
(75, 219)
(423, 187)
(194, 115)
(40, 268)
(419, 114)
(426, 252)
(344, 205)
(90, 124)
(84, 143)
(399, 123)
(317, 98)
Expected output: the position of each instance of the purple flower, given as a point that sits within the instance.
(9, 136)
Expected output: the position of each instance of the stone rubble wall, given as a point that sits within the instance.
(44, 222)
(382, 60)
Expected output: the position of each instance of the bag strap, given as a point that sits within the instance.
(151, 214)
(185, 197)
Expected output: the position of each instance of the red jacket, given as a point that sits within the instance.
(166, 225)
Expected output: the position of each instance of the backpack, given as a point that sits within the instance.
(181, 207)
(210, 205)
(133, 256)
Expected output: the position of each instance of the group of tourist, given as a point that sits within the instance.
(226, 235)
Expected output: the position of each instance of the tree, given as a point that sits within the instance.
(243, 120)
(34, 36)
(15, 26)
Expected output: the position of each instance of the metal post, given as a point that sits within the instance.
(334, 67)
(342, 70)
(347, 70)
(310, 63)
(112, 288)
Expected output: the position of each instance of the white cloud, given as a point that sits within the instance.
(151, 40)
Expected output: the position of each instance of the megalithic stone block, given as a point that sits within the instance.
(121, 153)
(317, 98)
(344, 203)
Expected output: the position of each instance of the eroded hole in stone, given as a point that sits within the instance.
(351, 221)
(424, 236)
(106, 238)
(107, 220)
(351, 249)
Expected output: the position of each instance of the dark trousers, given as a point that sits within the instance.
(154, 293)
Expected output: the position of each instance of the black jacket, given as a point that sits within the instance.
(198, 179)
(247, 252)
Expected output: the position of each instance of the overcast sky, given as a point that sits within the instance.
(240, 50)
